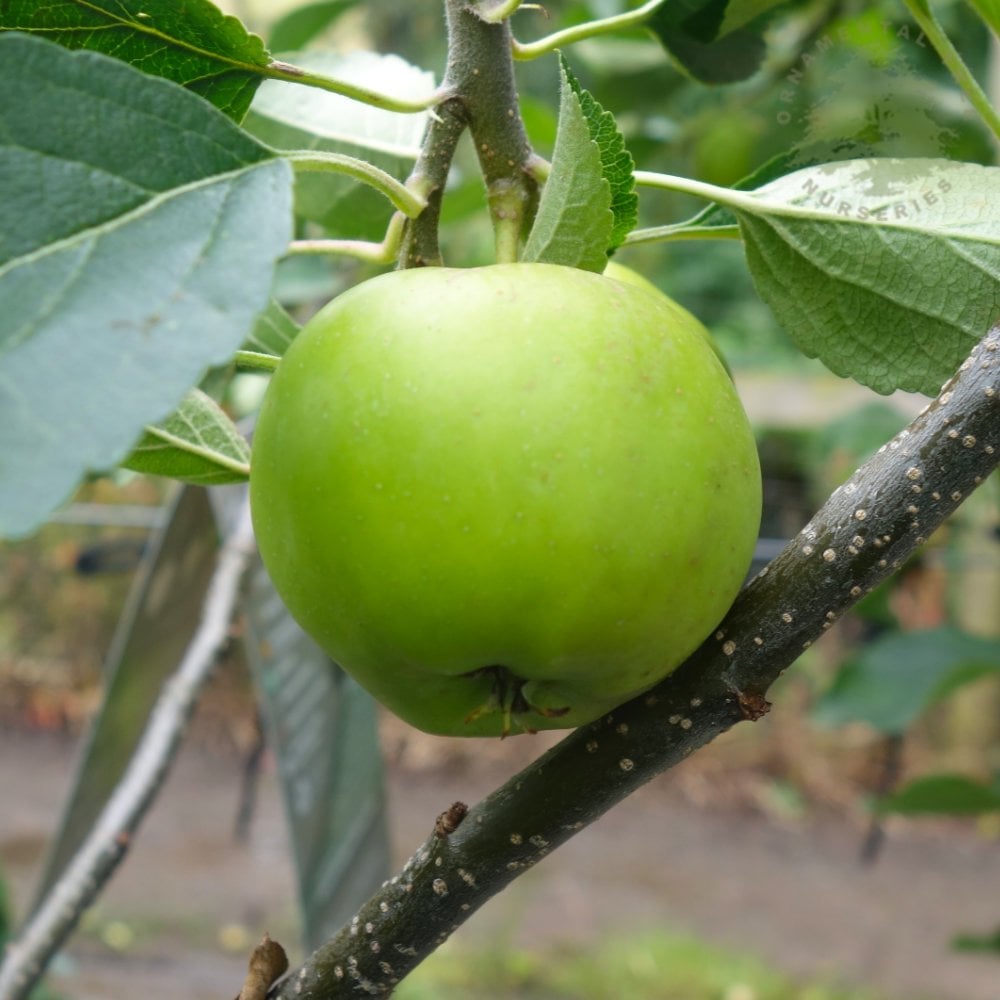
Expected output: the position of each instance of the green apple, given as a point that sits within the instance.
(619, 272)
(504, 498)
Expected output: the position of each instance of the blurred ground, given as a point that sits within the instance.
(180, 916)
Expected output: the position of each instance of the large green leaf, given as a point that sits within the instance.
(893, 680)
(193, 43)
(137, 245)
(888, 271)
(288, 117)
(575, 221)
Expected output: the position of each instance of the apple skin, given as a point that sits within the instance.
(519, 487)
(619, 272)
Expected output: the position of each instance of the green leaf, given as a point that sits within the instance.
(690, 31)
(951, 794)
(292, 118)
(893, 680)
(616, 161)
(197, 443)
(132, 258)
(575, 224)
(193, 44)
(888, 271)
(273, 331)
(302, 24)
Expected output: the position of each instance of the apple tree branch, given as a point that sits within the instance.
(860, 536)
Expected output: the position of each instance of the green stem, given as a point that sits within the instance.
(737, 200)
(290, 73)
(538, 168)
(372, 253)
(630, 19)
(404, 198)
(256, 361)
(506, 207)
(680, 231)
(686, 185)
(751, 203)
(930, 26)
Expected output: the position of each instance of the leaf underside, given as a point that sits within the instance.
(888, 271)
(137, 250)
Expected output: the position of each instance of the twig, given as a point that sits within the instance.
(267, 963)
(106, 844)
(480, 77)
(861, 535)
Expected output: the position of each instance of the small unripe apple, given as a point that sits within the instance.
(504, 498)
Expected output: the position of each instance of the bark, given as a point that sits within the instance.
(860, 536)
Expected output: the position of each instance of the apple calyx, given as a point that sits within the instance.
(507, 697)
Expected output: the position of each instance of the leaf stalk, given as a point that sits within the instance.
(680, 231)
(408, 201)
(630, 19)
(277, 70)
